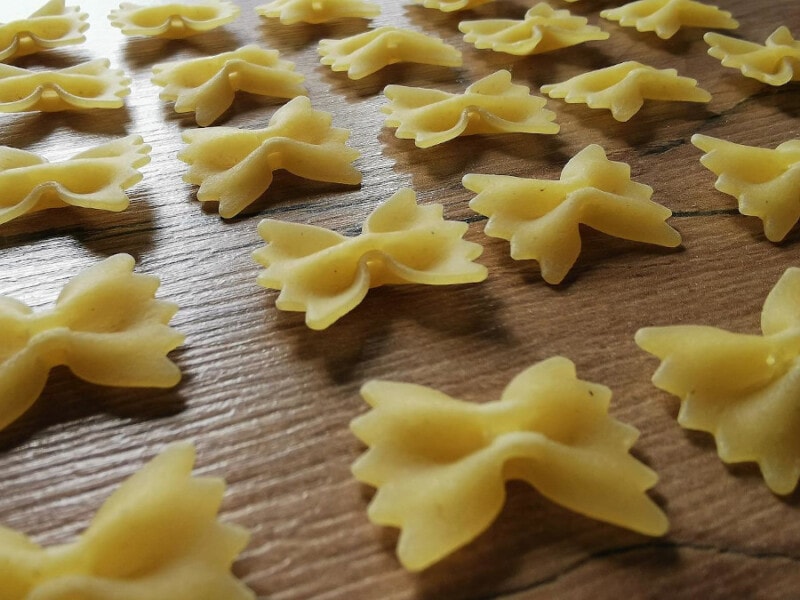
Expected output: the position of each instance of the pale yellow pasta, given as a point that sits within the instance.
(666, 17)
(96, 178)
(741, 388)
(89, 85)
(326, 275)
(441, 464)
(623, 88)
(543, 29)
(318, 11)
(451, 5)
(777, 62)
(156, 538)
(541, 218)
(366, 53)
(765, 182)
(206, 86)
(52, 26)
(173, 21)
(490, 105)
(106, 326)
(234, 166)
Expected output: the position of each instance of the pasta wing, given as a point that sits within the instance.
(96, 178)
(156, 537)
(491, 105)
(623, 88)
(326, 275)
(175, 20)
(549, 429)
(543, 29)
(666, 17)
(107, 327)
(765, 182)
(541, 218)
(743, 389)
(52, 26)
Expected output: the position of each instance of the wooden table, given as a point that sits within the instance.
(268, 401)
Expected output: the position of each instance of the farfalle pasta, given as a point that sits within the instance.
(89, 85)
(173, 21)
(369, 52)
(96, 178)
(157, 537)
(441, 464)
(234, 166)
(452, 5)
(741, 388)
(666, 17)
(106, 326)
(52, 26)
(777, 62)
(326, 275)
(491, 105)
(541, 218)
(543, 29)
(765, 182)
(206, 86)
(318, 11)
(623, 88)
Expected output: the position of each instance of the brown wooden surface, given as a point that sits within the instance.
(268, 401)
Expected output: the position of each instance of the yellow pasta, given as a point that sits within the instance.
(366, 53)
(765, 182)
(666, 17)
(740, 388)
(452, 5)
(623, 88)
(96, 178)
(89, 85)
(106, 326)
(441, 464)
(776, 63)
(326, 275)
(491, 105)
(541, 218)
(543, 29)
(234, 166)
(156, 537)
(173, 21)
(206, 86)
(317, 11)
(52, 26)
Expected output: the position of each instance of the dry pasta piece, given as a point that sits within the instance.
(666, 17)
(452, 5)
(173, 21)
(317, 11)
(96, 178)
(765, 182)
(206, 86)
(326, 275)
(52, 26)
(740, 388)
(543, 29)
(623, 88)
(106, 326)
(440, 464)
(490, 105)
(234, 166)
(776, 63)
(158, 536)
(89, 85)
(541, 217)
(366, 53)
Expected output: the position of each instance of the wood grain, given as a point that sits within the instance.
(268, 401)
